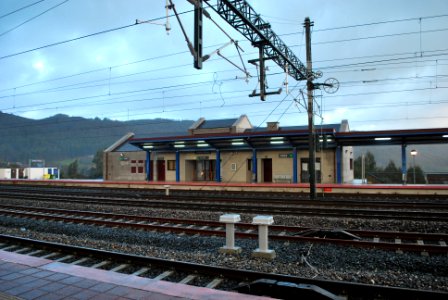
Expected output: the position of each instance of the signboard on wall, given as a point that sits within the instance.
(285, 155)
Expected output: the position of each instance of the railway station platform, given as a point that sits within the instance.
(327, 189)
(27, 277)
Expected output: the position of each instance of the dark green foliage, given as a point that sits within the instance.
(419, 175)
(390, 174)
(72, 170)
(370, 164)
(97, 170)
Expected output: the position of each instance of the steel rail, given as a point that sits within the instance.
(392, 201)
(239, 195)
(217, 231)
(294, 229)
(290, 209)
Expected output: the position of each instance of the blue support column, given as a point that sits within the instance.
(338, 164)
(177, 166)
(218, 166)
(148, 165)
(254, 166)
(294, 165)
(404, 170)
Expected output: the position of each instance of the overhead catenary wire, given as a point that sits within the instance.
(372, 63)
(323, 68)
(373, 23)
(82, 37)
(108, 68)
(271, 112)
(21, 8)
(33, 18)
(190, 11)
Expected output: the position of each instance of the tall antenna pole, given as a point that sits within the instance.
(310, 89)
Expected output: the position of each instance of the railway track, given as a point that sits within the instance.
(230, 205)
(272, 198)
(425, 243)
(280, 286)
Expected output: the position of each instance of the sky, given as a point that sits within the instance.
(389, 57)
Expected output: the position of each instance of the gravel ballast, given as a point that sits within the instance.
(298, 259)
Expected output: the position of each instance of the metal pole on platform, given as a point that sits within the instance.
(414, 154)
(310, 89)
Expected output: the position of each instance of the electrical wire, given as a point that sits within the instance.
(22, 8)
(371, 24)
(32, 18)
(345, 65)
(83, 37)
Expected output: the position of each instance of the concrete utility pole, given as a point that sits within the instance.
(310, 89)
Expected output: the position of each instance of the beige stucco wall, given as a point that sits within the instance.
(117, 168)
(328, 166)
(234, 166)
(239, 172)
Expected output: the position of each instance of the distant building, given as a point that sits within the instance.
(231, 150)
(30, 173)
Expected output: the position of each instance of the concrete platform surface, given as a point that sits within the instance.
(26, 277)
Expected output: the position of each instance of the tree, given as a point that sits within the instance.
(392, 174)
(97, 170)
(419, 175)
(72, 170)
(370, 164)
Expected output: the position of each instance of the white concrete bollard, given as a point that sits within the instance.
(263, 250)
(230, 220)
(167, 189)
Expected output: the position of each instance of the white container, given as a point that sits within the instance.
(5, 173)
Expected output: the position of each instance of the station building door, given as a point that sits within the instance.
(160, 170)
(267, 169)
(204, 170)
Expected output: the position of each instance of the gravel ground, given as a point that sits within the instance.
(299, 259)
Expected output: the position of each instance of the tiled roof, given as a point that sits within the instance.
(336, 127)
(223, 123)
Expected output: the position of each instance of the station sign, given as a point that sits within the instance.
(285, 155)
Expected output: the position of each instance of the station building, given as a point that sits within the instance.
(231, 151)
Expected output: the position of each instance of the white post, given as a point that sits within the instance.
(263, 250)
(230, 220)
(167, 189)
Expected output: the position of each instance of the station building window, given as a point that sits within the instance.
(138, 166)
(171, 165)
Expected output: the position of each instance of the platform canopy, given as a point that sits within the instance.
(327, 137)
(263, 140)
(393, 137)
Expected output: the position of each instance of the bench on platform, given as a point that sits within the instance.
(281, 178)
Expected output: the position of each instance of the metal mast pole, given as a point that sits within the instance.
(310, 89)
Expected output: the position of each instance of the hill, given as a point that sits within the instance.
(61, 137)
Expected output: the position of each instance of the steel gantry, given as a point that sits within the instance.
(241, 16)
